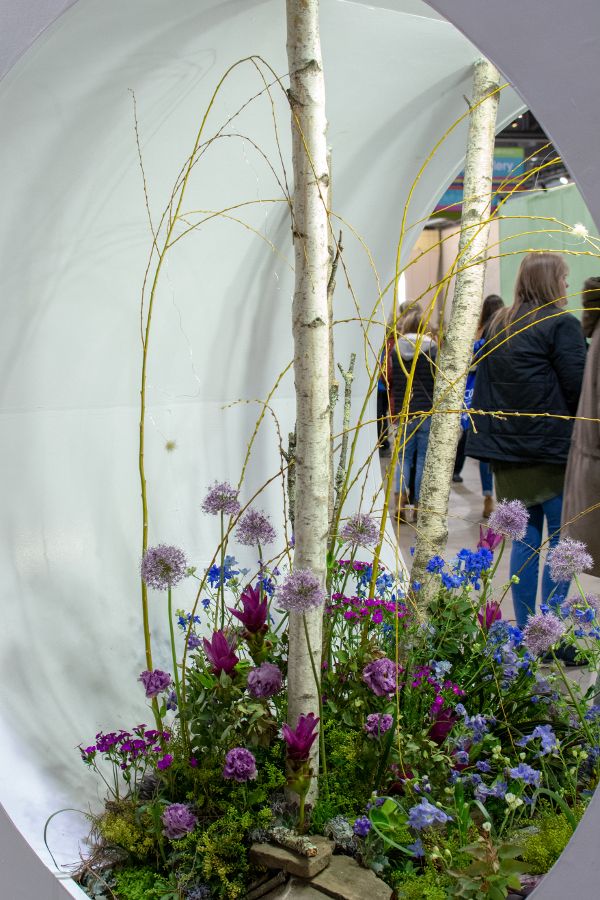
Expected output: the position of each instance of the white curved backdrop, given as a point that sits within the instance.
(74, 240)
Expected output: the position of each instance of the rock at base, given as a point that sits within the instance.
(274, 857)
(344, 879)
(295, 889)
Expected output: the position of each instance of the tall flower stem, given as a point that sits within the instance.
(222, 574)
(182, 720)
(320, 703)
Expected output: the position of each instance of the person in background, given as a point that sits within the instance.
(490, 307)
(533, 366)
(582, 481)
(384, 383)
(419, 406)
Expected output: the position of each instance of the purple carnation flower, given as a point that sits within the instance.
(360, 530)
(362, 826)
(377, 724)
(178, 821)
(541, 632)
(425, 814)
(265, 681)
(163, 566)
(380, 676)
(255, 528)
(155, 682)
(240, 765)
(221, 498)
(510, 518)
(567, 559)
(300, 592)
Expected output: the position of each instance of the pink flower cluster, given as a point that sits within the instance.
(359, 607)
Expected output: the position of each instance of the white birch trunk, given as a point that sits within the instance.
(311, 342)
(455, 354)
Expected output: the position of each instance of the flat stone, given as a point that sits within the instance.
(294, 890)
(344, 879)
(274, 857)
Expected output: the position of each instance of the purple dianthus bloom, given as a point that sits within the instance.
(163, 566)
(265, 681)
(362, 826)
(219, 653)
(300, 592)
(240, 765)
(155, 682)
(300, 739)
(221, 498)
(178, 821)
(510, 518)
(360, 530)
(255, 528)
(380, 676)
(164, 762)
(377, 724)
(254, 614)
(541, 632)
(567, 559)
(526, 774)
(425, 814)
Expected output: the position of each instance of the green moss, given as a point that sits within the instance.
(118, 827)
(415, 885)
(541, 850)
(139, 884)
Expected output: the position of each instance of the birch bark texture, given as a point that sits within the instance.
(456, 352)
(311, 343)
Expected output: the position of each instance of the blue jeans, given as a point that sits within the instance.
(417, 438)
(525, 560)
(487, 478)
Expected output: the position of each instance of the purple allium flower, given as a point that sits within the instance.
(488, 539)
(178, 821)
(490, 615)
(300, 592)
(526, 774)
(380, 676)
(155, 682)
(300, 739)
(510, 518)
(219, 653)
(568, 558)
(360, 530)
(265, 681)
(425, 814)
(254, 615)
(541, 632)
(255, 528)
(362, 826)
(221, 498)
(377, 724)
(163, 566)
(240, 765)
(164, 762)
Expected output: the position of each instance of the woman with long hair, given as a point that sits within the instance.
(528, 384)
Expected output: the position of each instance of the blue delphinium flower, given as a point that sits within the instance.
(416, 848)
(526, 774)
(483, 766)
(462, 757)
(435, 564)
(497, 790)
(384, 582)
(452, 581)
(548, 740)
(206, 603)
(479, 726)
(425, 814)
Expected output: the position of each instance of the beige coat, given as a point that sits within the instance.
(582, 482)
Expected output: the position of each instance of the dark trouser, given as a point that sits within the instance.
(382, 420)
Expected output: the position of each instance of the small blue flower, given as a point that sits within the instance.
(483, 766)
(206, 603)
(416, 848)
(362, 826)
(425, 814)
(435, 564)
(526, 774)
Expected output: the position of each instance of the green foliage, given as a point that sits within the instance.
(541, 850)
(119, 827)
(223, 849)
(140, 883)
(492, 871)
(413, 884)
(347, 774)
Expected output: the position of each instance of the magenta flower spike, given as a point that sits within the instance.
(300, 739)
(220, 653)
(489, 539)
(489, 615)
(254, 614)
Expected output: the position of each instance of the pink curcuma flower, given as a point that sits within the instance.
(489, 615)
(254, 614)
(489, 539)
(220, 653)
(300, 739)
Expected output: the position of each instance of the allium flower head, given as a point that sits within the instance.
(377, 724)
(542, 632)
(254, 614)
(300, 739)
(265, 681)
(360, 530)
(255, 528)
(300, 592)
(163, 566)
(221, 498)
(567, 559)
(178, 821)
(510, 518)
(240, 765)
(219, 653)
(380, 676)
(425, 814)
(155, 682)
